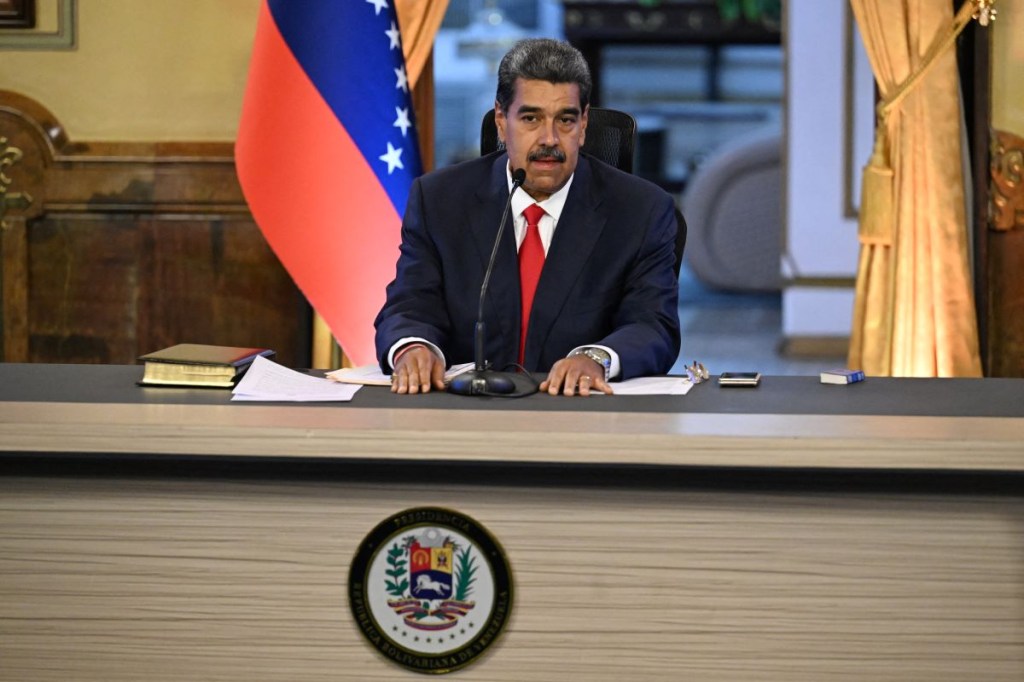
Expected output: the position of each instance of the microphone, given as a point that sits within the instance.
(481, 380)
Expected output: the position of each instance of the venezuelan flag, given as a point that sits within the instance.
(326, 153)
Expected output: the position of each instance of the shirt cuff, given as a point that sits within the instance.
(413, 339)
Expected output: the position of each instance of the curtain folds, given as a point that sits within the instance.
(914, 312)
(419, 21)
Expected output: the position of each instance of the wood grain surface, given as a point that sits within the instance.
(545, 437)
(134, 578)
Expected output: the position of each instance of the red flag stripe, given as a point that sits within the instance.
(313, 195)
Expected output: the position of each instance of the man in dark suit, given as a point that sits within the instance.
(605, 304)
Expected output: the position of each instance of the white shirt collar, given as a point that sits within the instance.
(553, 205)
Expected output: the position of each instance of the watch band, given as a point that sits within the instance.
(598, 355)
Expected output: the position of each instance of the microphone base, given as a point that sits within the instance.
(483, 382)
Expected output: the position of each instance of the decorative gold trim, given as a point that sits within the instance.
(17, 200)
(1007, 186)
(65, 37)
(984, 11)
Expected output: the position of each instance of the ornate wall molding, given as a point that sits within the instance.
(1007, 169)
(10, 155)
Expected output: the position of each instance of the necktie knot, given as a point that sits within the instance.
(533, 214)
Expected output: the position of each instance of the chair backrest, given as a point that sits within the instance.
(611, 137)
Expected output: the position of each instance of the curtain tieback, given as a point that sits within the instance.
(877, 209)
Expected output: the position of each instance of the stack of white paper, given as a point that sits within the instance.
(653, 386)
(268, 381)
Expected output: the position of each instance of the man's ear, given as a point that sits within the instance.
(583, 125)
(499, 121)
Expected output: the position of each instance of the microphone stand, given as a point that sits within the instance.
(480, 380)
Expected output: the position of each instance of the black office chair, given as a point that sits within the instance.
(611, 137)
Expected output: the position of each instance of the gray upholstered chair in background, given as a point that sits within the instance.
(733, 205)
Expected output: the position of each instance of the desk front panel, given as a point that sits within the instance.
(179, 575)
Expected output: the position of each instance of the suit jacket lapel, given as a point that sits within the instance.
(484, 219)
(578, 232)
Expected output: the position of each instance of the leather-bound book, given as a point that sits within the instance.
(196, 364)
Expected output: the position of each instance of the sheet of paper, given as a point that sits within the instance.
(366, 375)
(268, 381)
(653, 386)
(370, 375)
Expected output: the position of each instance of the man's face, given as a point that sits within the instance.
(543, 131)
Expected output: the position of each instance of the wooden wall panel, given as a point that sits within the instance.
(222, 258)
(1006, 303)
(129, 247)
(14, 289)
(83, 283)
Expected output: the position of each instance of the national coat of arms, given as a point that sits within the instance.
(430, 589)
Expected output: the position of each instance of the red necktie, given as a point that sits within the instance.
(531, 262)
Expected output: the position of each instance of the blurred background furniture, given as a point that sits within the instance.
(734, 206)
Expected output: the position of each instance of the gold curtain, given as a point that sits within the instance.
(418, 22)
(914, 311)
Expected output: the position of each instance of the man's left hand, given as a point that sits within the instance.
(578, 375)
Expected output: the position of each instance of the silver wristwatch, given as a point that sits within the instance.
(598, 355)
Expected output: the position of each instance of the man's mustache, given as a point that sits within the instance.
(547, 154)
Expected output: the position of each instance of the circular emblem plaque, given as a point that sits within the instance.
(430, 589)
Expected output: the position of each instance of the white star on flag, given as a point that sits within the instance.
(402, 120)
(394, 36)
(403, 80)
(378, 5)
(393, 158)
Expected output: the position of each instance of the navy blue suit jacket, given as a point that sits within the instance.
(608, 278)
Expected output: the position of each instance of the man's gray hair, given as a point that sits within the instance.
(542, 59)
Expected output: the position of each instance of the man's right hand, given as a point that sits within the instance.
(417, 370)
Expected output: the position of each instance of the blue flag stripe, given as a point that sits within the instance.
(345, 48)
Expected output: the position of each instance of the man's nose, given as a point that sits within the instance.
(548, 136)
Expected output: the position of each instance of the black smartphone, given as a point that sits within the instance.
(739, 378)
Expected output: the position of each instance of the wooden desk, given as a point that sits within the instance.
(166, 535)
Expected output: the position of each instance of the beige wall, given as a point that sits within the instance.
(1007, 67)
(145, 70)
(175, 69)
